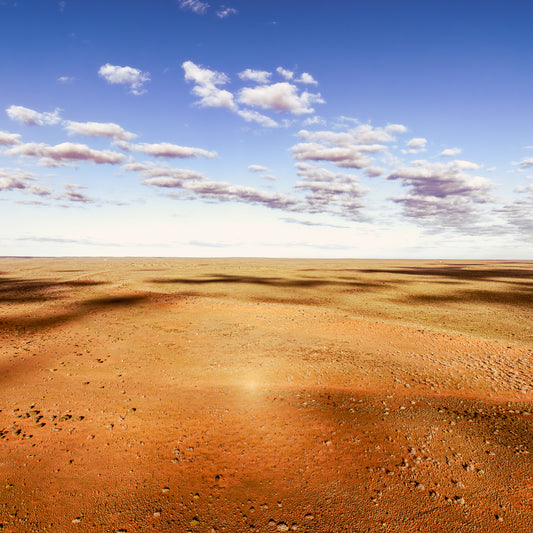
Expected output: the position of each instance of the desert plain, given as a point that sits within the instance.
(237, 395)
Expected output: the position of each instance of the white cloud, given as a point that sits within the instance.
(133, 77)
(15, 178)
(196, 6)
(330, 192)
(277, 97)
(206, 89)
(416, 145)
(173, 150)
(280, 97)
(348, 149)
(64, 152)
(442, 193)
(450, 152)
(519, 213)
(373, 172)
(98, 129)
(66, 79)
(307, 79)
(39, 190)
(257, 76)
(225, 12)
(526, 163)
(367, 134)
(253, 116)
(9, 139)
(163, 174)
(312, 121)
(257, 168)
(341, 156)
(30, 117)
(395, 128)
(73, 194)
(287, 74)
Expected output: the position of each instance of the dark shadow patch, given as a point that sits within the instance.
(24, 324)
(36, 290)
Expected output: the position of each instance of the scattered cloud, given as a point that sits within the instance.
(11, 179)
(442, 193)
(98, 129)
(341, 156)
(173, 150)
(250, 115)
(225, 12)
(280, 97)
(66, 79)
(59, 154)
(9, 139)
(30, 117)
(258, 168)
(206, 81)
(353, 148)
(287, 74)
(395, 128)
(257, 76)
(312, 121)
(373, 172)
(307, 79)
(519, 214)
(330, 192)
(39, 190)
(73, 194)
(269, 177)
(415, 146)
(163, 176)
(130, 76)
(450, 152)
(196, 6)
(191, 184)
(526, 163)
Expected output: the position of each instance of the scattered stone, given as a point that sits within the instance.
(309, 516)
(195, 521)
(76, 520)
(282, 526)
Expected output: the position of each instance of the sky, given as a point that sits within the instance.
(255, 128)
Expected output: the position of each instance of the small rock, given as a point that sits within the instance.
(282, 526)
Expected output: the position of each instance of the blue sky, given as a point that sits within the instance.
(288, 128)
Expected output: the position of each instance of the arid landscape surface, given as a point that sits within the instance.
(211, 395)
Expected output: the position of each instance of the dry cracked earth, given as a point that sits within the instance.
(265, 395)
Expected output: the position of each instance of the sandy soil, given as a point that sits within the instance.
(263, 395)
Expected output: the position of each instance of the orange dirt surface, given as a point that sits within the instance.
(265, 395)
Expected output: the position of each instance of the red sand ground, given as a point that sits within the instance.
(131, 406)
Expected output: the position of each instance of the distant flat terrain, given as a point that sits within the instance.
(147, 394)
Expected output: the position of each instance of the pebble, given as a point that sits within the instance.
(282, 526)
